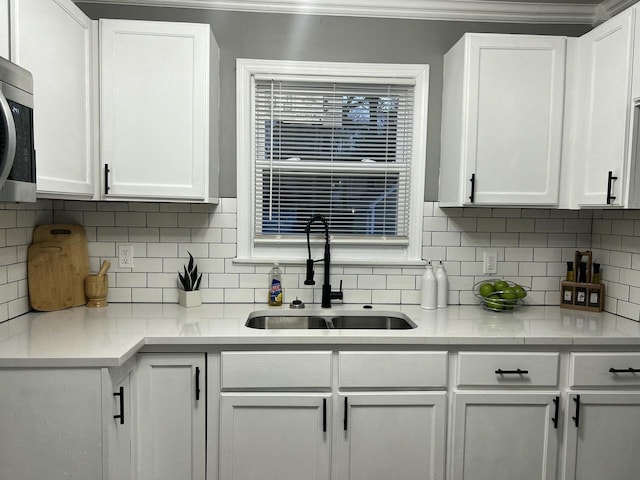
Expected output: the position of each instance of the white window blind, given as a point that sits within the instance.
(338, 149)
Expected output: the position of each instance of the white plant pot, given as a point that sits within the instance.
(190, 299)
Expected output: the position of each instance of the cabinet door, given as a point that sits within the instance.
(53, 40)
(154, 109)
(170, 414)
(275, 436)
(4, 29)
(120, 428)
(605, 55)
(605, 442)
(505, 436)
(51, 424)
(399, 436)
(514, 111)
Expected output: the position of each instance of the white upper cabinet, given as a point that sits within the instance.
(502, 113)
(157, 106)
(600, 170)
(53, 40)
(4, 28)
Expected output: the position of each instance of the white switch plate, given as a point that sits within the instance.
(125, 256)
(490, 262)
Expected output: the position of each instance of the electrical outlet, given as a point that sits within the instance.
(490, 262)
(125, 256)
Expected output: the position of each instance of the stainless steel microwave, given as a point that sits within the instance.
(17, 152)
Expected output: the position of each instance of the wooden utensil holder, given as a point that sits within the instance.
(582, 295)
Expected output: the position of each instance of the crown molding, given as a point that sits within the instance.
(451, 10)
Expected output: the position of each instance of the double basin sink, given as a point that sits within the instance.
(329, 320)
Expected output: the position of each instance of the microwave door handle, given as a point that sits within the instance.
(8, 155)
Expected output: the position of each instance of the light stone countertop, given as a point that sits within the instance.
(107, 337)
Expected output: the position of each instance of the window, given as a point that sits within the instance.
(346, 141)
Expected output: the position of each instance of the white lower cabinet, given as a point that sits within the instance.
(505, 416)
(171, 416)
(393, 435)
(120, 424)
(603, 436)
(275, 436)
(281, 430)
(51, 423)
(65, 423)
(504, 436)
(602, 421)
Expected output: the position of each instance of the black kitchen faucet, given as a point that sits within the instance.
(327, 294)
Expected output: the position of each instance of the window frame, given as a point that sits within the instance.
(293, 250)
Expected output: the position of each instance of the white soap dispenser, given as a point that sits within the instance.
(443, 285)
(429, 298)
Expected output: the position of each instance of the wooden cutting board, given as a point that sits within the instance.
(58, 262)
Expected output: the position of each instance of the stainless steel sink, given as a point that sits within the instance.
(327, 320)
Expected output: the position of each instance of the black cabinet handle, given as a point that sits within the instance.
(511, 372)
(324, 414)
(197, 383)
(121, 414)
(624, 370)
(576, 419)
(346, 408)
(472, 197)
(610, 180)
(106, 178)
(554, 419)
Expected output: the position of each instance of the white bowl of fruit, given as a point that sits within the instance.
(500, 295)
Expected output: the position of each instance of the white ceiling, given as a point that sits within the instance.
(518, 11)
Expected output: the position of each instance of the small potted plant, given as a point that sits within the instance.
(189, 282)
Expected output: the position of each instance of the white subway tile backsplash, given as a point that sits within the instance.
(620, 259)
(533, 239)
(142, 234)
(193, 220)
(445, 239)
(181, 235)
(369, 282)
(499, 239)
(520, 225)
(164, 219)
(475, 239)
(493, 225)
(131, 219)
(532, 246)
(146, 295)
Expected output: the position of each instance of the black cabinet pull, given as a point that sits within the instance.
(197, 383)
(121, 414)
(554, 419)
(624, 370)
(472, 197)
(346, 408)
(517, 371)
(576, 419)
(610, 180)
(324, 414)
(106, 178)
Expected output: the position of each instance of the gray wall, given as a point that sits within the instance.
(325, 38)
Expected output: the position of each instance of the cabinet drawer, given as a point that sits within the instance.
(508, 369)
(604, 370)
(275, 370)
(392, 369)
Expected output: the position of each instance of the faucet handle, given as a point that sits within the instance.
(309, 280)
